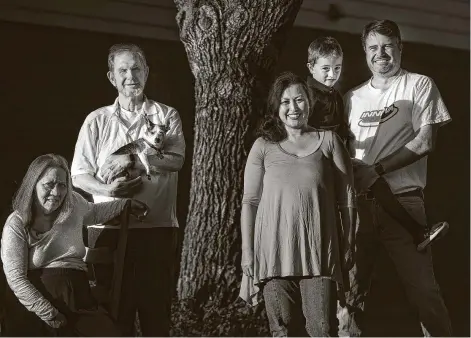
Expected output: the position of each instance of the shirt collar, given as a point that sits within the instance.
(147, 106)
(311, 82)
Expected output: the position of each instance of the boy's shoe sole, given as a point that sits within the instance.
(438, 231)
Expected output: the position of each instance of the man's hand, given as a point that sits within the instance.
(115, 165)
(247, 262)
(122, 187)
(364, 175)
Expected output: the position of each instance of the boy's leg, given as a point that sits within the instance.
(388, 201)
(390, 204)
(415, 269)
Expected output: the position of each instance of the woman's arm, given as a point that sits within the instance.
(253, 187)
(98, 213)
(14, 253)
(247, 225)
(345, 194)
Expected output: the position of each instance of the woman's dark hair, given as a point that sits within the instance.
(271, 127)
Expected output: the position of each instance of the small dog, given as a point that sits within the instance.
(150, 144)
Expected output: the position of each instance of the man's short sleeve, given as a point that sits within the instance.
(175, 141)
(429, 107)
(85, 155)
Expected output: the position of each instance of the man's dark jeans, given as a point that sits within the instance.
(148, 281)
(295, 305)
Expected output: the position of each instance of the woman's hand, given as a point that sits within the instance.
(139, 209)
(58, 321)
(247, 262)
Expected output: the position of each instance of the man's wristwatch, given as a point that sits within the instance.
(379, 169)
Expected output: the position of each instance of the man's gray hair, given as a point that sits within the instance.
(125, 47)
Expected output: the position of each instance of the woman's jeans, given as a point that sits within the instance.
(415, 269)
(295, 305)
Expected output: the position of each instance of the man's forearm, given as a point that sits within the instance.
(422, 145)
(171, 162)
(90, 184)
(399, 159)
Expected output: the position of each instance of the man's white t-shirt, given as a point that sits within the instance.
(386, 120)
(109, 128)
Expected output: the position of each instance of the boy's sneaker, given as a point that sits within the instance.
(437, 231)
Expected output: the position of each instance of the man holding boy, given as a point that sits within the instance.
(394, 117)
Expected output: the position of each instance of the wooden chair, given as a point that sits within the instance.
(106, 251)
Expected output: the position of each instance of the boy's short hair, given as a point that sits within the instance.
(323, 47)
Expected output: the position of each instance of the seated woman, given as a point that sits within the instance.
(298, 182)
(42, 251)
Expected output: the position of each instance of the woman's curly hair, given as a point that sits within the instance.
(271, 128)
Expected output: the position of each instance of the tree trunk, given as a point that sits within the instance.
(232, 48)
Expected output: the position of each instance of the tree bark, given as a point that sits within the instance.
(232, 48)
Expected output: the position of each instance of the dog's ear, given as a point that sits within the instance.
(166, 123)
(149, 123)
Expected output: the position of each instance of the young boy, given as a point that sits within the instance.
(325, 59)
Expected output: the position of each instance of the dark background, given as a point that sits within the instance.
(51, 78)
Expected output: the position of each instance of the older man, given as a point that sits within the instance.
(395, 117)
(150, 257)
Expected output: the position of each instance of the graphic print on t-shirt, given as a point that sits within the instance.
(375, 117)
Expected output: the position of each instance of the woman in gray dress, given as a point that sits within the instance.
(297, 218)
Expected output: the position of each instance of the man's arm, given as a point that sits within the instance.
(84, 166)
(422, 145)
(170, 162)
